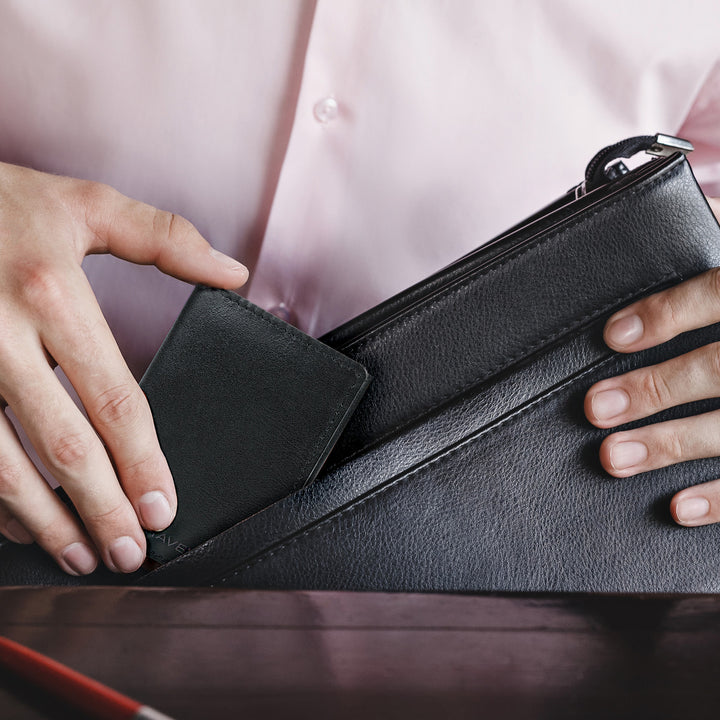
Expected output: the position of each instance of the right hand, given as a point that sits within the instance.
(111, 467)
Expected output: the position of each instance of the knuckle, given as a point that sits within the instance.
(118, 406)
(93, 196)
(162, 223)
(655, 389)
(141, 467)
(50, 532)
(673, 447)
(92, 202)
(165, 224)
(171, 228)
(107, 518)
(665, 311)
(69, 450)
(41, 286)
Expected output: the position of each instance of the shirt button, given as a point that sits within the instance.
(283, 312)
(326, 110)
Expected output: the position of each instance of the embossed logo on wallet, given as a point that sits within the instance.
(168, 540)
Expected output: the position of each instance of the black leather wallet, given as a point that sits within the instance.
(246, 409)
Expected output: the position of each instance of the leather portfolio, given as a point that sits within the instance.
(469, 464)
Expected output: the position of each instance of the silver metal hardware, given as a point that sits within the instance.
(666, 145)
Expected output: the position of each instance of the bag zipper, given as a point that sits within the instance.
(576, 200)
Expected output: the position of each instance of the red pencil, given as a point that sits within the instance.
(81, 692)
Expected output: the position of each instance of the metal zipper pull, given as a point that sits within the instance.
(607, 165)
(666, 145)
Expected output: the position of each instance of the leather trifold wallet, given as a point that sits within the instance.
(247, 408)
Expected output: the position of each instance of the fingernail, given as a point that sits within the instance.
(692, 509)
(126, 554)
(18, 533)
(626, 454)
(79, 558)
(155, 510)
(609, 403)
(625, 331)
(228, 262)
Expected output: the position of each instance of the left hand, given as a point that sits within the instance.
(638, 394)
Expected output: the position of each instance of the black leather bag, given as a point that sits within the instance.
(469, 464)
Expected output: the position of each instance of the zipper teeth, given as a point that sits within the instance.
(564, 212)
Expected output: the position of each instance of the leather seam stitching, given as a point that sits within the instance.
(406, 477)
(526, 352)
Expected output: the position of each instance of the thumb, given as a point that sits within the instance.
(143, 234)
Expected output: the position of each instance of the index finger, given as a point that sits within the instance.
(78, 338)
(658, 318)
(143, 234)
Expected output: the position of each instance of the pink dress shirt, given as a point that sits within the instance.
(343, 149)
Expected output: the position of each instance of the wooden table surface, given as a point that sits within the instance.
(240, 654)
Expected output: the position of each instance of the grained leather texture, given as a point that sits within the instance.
(469, 464)
(502, 491)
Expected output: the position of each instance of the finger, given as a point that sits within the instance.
(660, 317)
(13, 530)
(650, 447)
(79, 339)
(698, 505)
(646, 391)
(30, 509)
(73, 453)
(143, 234)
